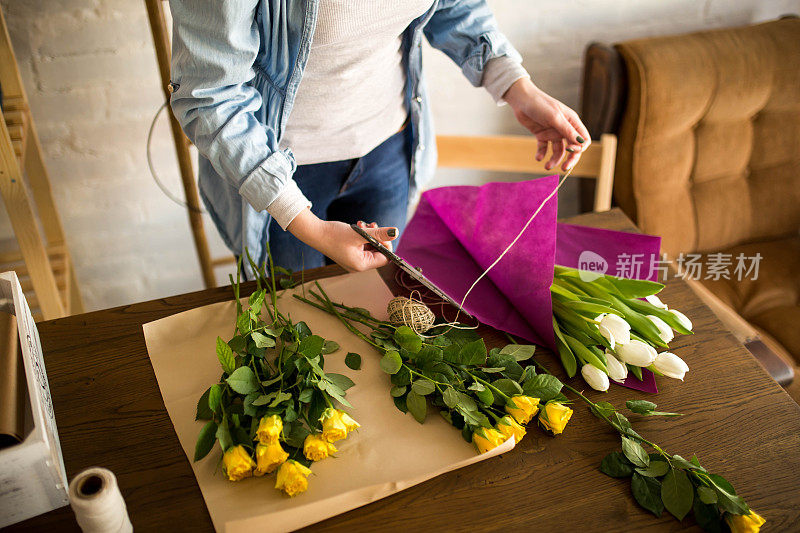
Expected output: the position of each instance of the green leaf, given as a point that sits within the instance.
(635, 288)
(403, 377)
(262, 341)
(237, 343)
(408, 339)
(352, 360)
(311, 346)
(543, 386)
(263, 399)
(305, 395)
(640, 406)
(706, 495)
(400, 403)
(472, 353)
(203, 411)
(423, 387)
(391, 362)
(248, 408)
(726, 495)
(279, 398)
(635, 453)
(507, 386)
(615, 464)
(396, 392)
(225, 356)
(243, 323)
(214, 398)
(302, 330)
(297, 435)
(417, 406)
(520, 352)
(450, 397)
(708, 517)
(590, 308)
(340, 380)
(243, 380)
(602, 408)
(677, 493)
(485, 396)
(647, 493)
(656, 469)
(224, 435)
(330, 347)
(205, 440)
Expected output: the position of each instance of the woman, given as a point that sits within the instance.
(314, 113)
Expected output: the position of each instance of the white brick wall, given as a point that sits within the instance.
(91, 76)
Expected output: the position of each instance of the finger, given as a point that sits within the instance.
(570, 161)
(383, 234)
(565, 128)
(361, 224)
(558, 153)
(576, 122)
(541, 151)
(373, 260)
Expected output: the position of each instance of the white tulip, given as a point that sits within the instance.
(664, 331)
(619, 329)
(596, 378)
(616, 370)
(605, 332)
(671, 365)
(655, 300)
(637, 353)
(683, 319)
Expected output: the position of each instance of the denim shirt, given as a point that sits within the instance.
(236, 67)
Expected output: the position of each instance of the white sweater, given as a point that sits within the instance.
(351, 96)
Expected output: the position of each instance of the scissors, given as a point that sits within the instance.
(408, 269)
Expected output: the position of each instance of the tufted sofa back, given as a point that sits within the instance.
(709, 145)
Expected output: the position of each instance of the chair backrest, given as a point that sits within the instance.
(515, 153)
(709, 152)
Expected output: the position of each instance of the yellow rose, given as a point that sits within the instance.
(238, 463)
(269, 429)
(269, 457)
(316, 448)
(554, 417)
(336, 424)
(509, 427)
(748, 523)
(486, 439)
(522, 408)
(291, 478)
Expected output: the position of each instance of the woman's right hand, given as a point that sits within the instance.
(338, 241)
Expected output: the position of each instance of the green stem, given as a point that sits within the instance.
(487, 384)
(348, 325)
(424, 376)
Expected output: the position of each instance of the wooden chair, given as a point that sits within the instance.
(515, 153)
(42, 261)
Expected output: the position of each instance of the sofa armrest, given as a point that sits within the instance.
(780, 369)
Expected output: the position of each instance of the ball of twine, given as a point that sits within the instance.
(411, 313)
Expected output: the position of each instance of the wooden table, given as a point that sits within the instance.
(738, 421)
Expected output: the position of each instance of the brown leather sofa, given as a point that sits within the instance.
(709, 158)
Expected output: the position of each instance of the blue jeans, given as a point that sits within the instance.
(373, 188)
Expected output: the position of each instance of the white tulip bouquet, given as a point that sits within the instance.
(614, 326)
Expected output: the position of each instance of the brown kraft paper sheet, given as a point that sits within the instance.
(389, 453)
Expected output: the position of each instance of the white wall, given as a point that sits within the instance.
(93, 85)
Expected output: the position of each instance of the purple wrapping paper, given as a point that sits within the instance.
(457, 232)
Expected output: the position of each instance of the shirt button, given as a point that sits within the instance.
(421, 146)
(418, 99)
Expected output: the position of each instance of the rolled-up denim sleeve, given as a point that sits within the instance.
(214, 48)
(467, 32)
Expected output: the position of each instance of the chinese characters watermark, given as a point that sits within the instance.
(694, 266)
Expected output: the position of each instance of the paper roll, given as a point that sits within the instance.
(13, 389)
(97, 502)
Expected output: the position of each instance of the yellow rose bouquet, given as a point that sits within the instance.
(487, 394)
(274, 407)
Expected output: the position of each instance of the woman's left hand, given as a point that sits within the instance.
(550, 121)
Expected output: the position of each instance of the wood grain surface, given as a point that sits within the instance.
(738, 421)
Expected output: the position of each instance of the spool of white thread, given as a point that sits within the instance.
(97, 502)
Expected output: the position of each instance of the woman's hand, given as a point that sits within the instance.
(338, 241)
(550, 121)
